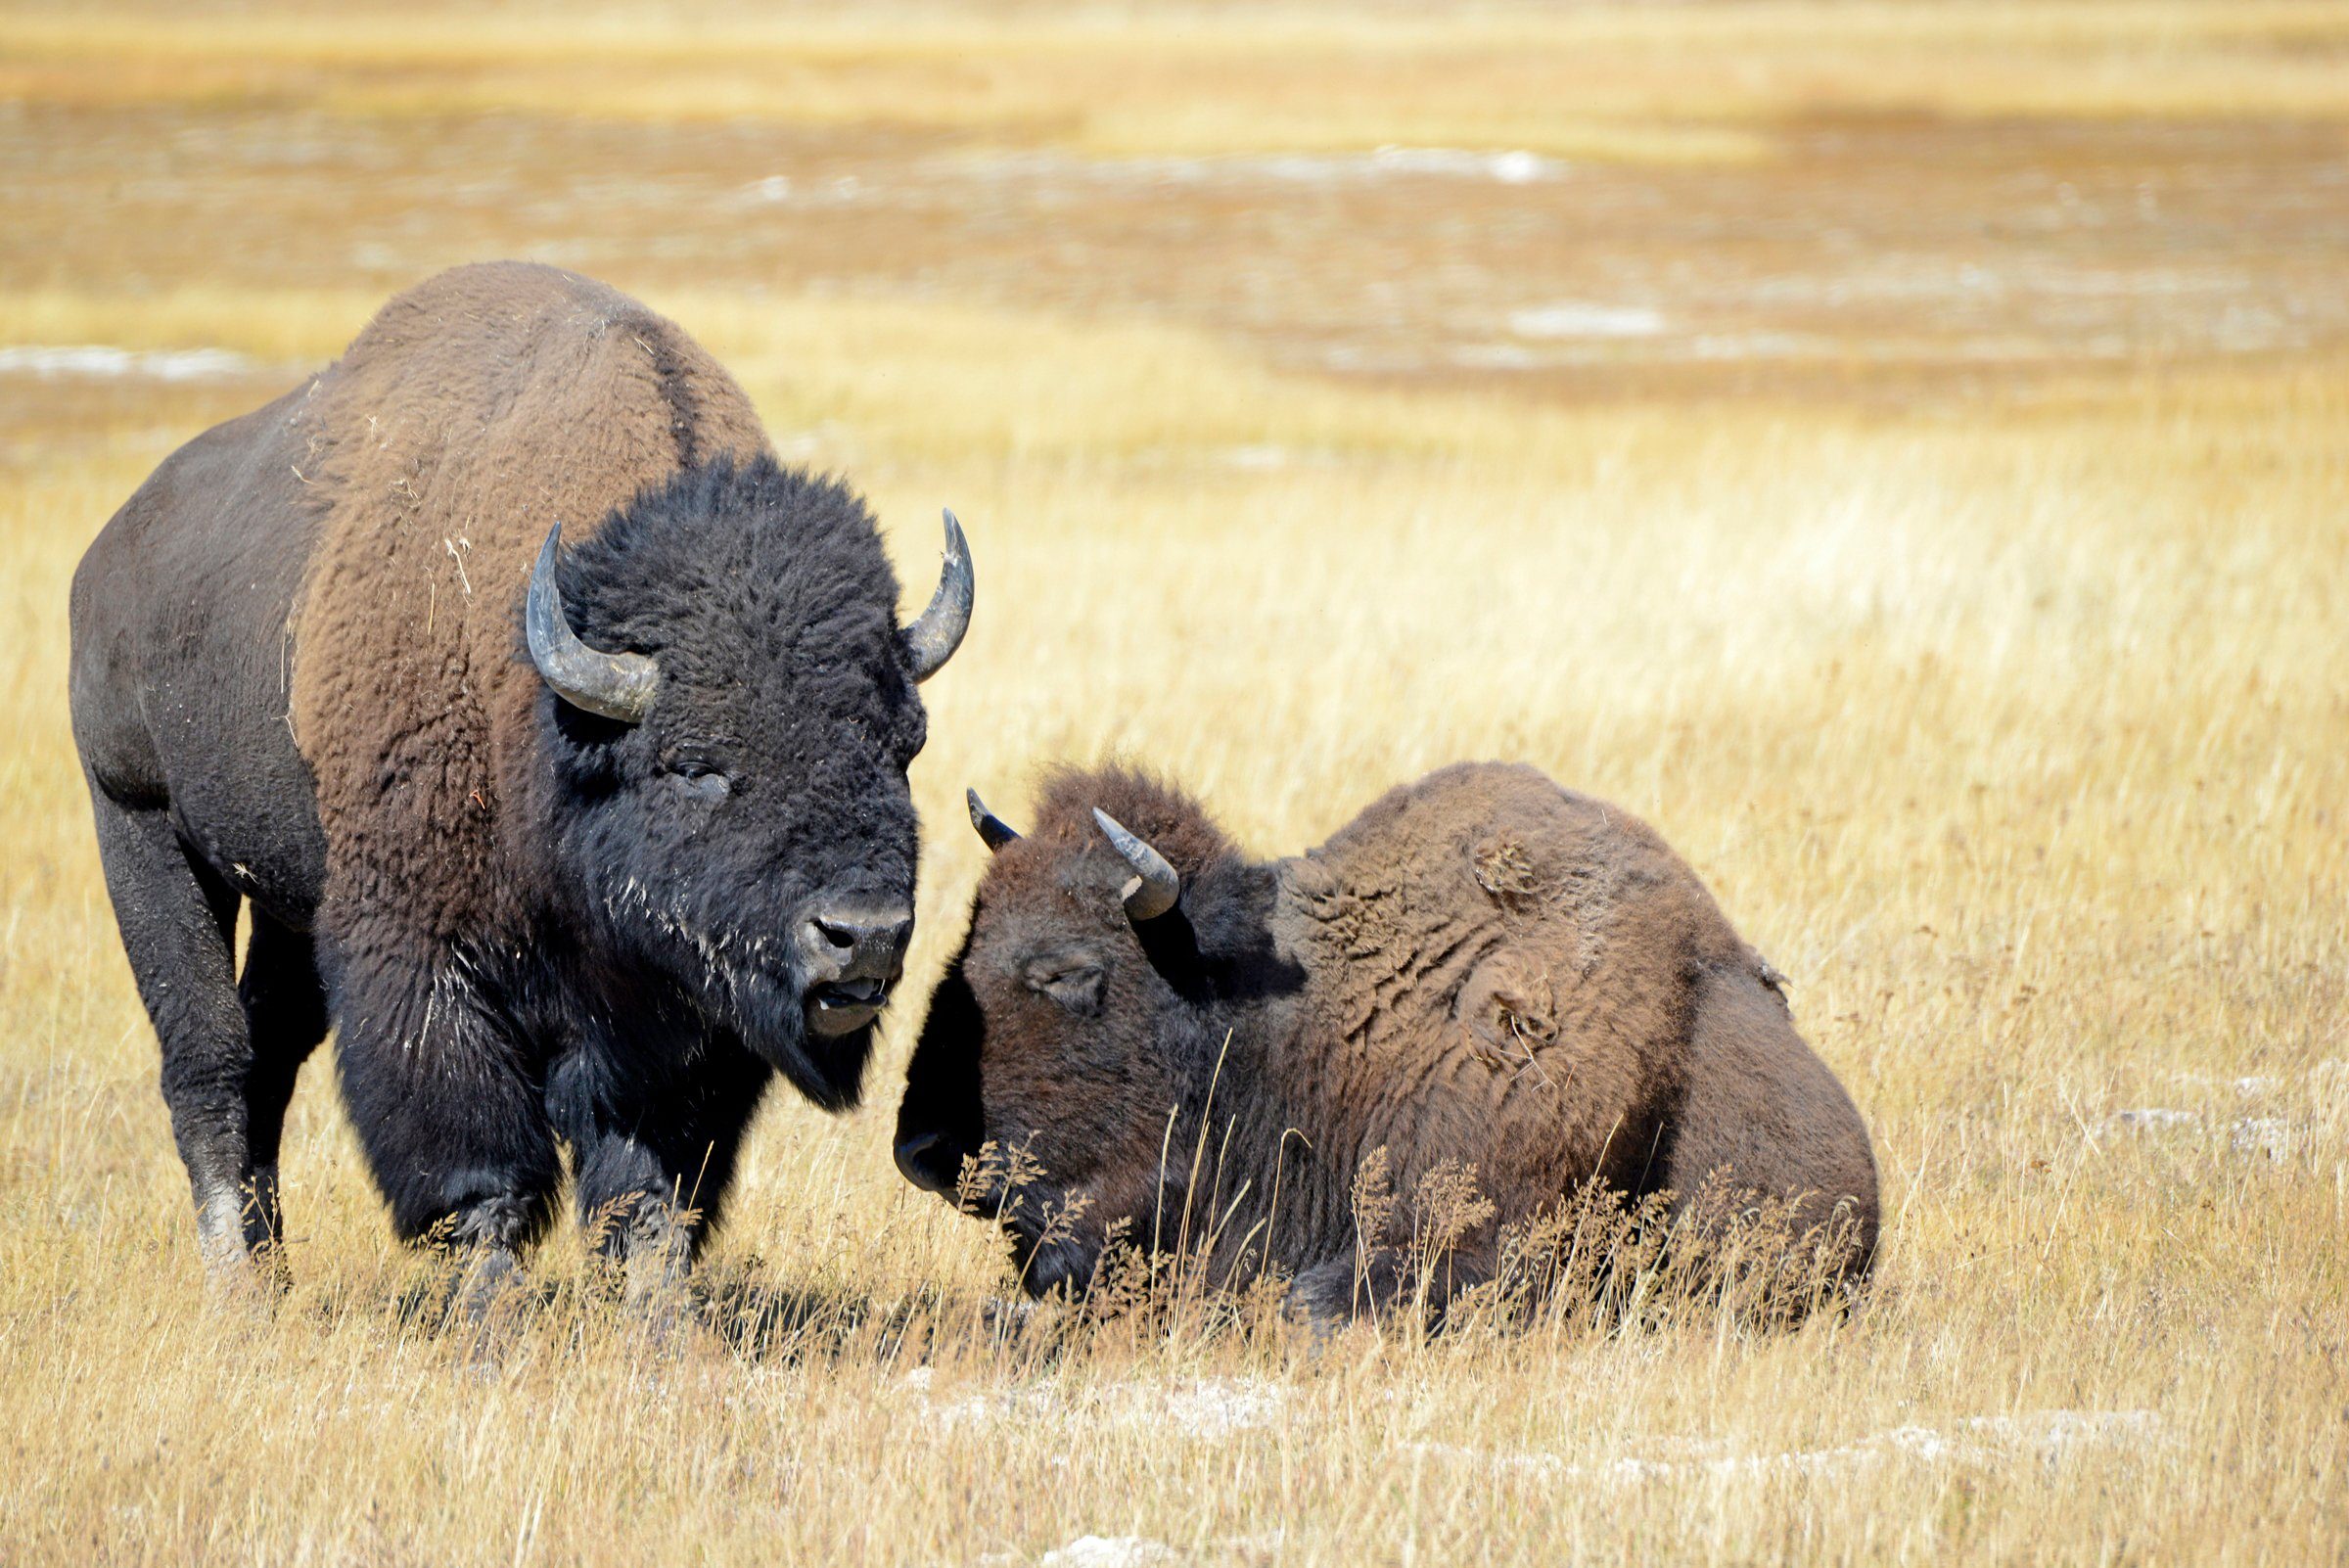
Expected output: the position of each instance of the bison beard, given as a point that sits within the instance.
(590, 881)
(1482, 970)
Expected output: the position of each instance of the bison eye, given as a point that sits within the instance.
(1074, 987)
(699, 776)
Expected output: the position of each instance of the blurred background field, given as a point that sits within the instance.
(1901, 451)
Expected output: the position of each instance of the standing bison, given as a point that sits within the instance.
(580, 847)
(1481, 967)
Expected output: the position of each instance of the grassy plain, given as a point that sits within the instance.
(1922, 499)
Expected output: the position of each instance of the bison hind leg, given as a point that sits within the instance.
(1765, 1121)
(284, 1018)
(177, 917)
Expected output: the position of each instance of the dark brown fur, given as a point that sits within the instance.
(1481, 967)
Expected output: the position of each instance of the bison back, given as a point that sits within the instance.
(1508, 968)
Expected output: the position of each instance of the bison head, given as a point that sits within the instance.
(1081, 1029)
(728, 716)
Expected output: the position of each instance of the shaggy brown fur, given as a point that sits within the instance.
(1481, 967)
(407, 700)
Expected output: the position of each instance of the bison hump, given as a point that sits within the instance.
(476, 411)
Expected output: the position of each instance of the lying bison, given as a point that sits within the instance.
(1481, 967)
(579, 846)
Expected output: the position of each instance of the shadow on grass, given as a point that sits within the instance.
(770, 1325)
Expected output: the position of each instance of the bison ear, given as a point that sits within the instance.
(994, 831)
(1075, 983)
(617, 685)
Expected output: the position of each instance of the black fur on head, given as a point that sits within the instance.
(1069, 1030)
(719, 841)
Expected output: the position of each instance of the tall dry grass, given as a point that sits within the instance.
(2016, 732)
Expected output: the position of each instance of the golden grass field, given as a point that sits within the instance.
(1901, 451)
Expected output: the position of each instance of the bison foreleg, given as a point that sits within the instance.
(638, 1214)
(654, 1152)
(448, 1111)
(1385, 1288)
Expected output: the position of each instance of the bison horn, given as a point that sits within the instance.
(616, 685)
(1156, 885)
(994, 831)
(932, 640)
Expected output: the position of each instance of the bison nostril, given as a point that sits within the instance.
(922, 1161)
(857, 944)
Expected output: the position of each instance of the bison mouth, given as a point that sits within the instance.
(1047, 1249)
(840, 1007)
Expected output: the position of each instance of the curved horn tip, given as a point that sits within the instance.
(1156, 884)
(616, 686)
(994, 831)
(932, 640)
(542, 588)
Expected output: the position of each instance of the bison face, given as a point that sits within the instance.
(1077, 1030)
(729, 804)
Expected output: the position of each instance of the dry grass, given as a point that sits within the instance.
(2016, 730)
(1669, 83)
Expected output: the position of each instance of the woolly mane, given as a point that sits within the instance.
(713, 535)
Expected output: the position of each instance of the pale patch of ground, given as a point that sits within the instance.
(99, 359)
(1205, 1409)
(1111, 1551)
(2046, 1436)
